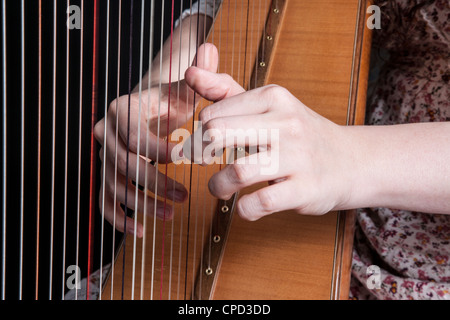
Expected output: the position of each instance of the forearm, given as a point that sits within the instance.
(183, 52)
(401, 167)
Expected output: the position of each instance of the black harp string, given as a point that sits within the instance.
(22, 145)
(4, 172)
(246, 44)
(257, 50)
(252, 32)
(39, 135)
(130, 65)
(240, 41)
(52, 213)
(233, 41)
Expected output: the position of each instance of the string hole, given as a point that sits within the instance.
(225, 209)
(262, 64)
(276, 10)
(208, 271)
(269, 38)
(216, 239)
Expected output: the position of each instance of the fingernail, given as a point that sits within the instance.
(179, 195)
(140, 232)
(130, 230)
(162, 212)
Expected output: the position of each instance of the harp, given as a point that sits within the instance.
(58, 82)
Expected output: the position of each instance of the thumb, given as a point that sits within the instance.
(203, 79)
(207, 57)
(212, 86)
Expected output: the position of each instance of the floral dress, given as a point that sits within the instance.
(400, 254)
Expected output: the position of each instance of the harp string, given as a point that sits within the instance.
(138, 142)
(38, 186)
(22, 145)
(104, 149)
(4, 172)
(206, 167)
(246, 43)
(240, 43)
(172, 232)
(200, 209)
(257, 51)
(80, 126)
(66, 157)
(233, 41)
(167, 145)
(251, 40)
(93, 153)
(191, 166)
(175, 171)
(130, 65)
(145, 222)
(198, 170)
(184, 167)
(211, 209)
(133, 278)
(157, 148)
(264, 40)
(115, 204)
(52, 217)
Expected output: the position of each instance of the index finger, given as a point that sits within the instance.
(253, 102)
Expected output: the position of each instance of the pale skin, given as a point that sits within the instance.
(323, 166)
(149, 145)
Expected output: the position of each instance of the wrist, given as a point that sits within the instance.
(362, 186)
(398, 166)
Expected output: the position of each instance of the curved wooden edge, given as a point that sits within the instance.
(214, 248)
(357, 102)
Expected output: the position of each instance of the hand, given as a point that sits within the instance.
(311, 156)
(146, 140)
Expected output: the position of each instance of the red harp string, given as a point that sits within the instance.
(93, 153)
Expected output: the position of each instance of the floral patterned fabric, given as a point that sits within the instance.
(410, 250)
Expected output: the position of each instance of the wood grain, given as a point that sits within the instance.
(286, 256)
(282, 256)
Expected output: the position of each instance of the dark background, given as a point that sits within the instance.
(13, 52)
